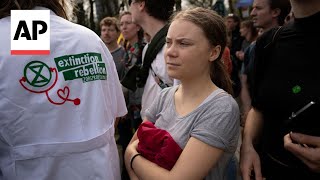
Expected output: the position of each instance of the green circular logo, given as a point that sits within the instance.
(37, 73)
(296, 89)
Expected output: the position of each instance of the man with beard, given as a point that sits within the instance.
(110, 31)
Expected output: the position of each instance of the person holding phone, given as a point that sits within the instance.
(308, 153)
(280, 141)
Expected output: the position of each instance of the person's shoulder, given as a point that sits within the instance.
(266, 36)
(82, 30)
(119, 50)
(5, 24)
(265, 40)
(159, 59)
(5, 20)
(122, 49)
(222, 99)
(274, 34)
(166, 95)
(168, 92)
(161, 52)
(72, 29)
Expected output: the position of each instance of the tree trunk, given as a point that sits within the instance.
(231, 6)
(178, 5)
(79, 14)
(100, 12)
(112, 7)
(106, 8)
(92, 24)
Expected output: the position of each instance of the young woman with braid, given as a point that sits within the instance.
(200, 114)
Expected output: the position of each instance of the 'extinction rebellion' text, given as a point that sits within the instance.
(87, 66)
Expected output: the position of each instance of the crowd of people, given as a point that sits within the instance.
(180, 94)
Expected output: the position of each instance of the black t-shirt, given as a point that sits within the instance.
(286, 78)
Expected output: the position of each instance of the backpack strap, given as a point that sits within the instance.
(158, 80)
(154, 48)
(274, 37)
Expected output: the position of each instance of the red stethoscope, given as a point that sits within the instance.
(62, 93)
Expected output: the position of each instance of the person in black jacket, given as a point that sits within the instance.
(285, 101)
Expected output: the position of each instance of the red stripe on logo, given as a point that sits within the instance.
(30, 52)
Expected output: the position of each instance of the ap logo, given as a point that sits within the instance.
(30, 32)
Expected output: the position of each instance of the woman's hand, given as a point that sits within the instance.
(130, 152)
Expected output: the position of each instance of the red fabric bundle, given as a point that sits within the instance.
(157, 145)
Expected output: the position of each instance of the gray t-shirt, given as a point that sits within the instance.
(118, 56)
(215, 122)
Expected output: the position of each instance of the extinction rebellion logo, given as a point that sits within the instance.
(39, 78)
(85, 66)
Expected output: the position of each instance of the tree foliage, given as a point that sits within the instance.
(90, 12)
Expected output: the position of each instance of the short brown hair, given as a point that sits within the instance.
(110, 21)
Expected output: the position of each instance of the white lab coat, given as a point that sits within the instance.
(54, 127)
